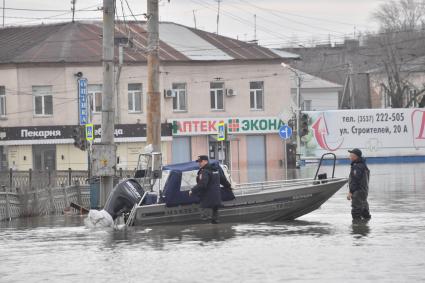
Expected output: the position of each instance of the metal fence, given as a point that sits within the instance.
(36, 202)
(35, 179)
(34, 193)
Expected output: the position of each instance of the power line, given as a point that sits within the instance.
(53, 16)
(47, 10)
(274, 11)
(290, 20)
(243, 21)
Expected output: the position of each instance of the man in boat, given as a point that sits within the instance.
(358, 184)
(208, 187)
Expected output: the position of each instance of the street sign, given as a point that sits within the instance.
(89, 132)
(82, 98)
(221, 134)
(285, 132)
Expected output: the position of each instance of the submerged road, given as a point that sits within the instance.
(322, 246)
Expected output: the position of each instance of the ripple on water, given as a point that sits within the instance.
(321, 246)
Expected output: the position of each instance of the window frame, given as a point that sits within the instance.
(215, 90)
(254, 92)
(43, 95)
(3, 108)
(133, 93)
(309, 103)
(176, 99)
(91, 93)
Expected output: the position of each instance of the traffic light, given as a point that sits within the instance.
(79, 136)
(304, 128)
(291, 123)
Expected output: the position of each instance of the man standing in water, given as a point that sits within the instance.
(208, 186)
(359, 186)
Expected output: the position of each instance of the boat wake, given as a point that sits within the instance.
(99, 219)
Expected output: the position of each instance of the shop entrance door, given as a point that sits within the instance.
(256, 158)
(219, 151)
(3, 159)
(181, 149)
(44, 157)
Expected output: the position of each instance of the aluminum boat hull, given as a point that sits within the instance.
(272, 204)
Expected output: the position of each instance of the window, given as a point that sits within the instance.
(134, 98)
(256, 95)
(307, 105)
(2, 101)
(179, 101)
(95, 92)
(217, 96)
(43, 100)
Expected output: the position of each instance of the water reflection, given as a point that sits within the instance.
(163, 236)
(312, 248)
(360, 230)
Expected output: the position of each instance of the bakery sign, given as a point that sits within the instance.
(59, 132)
(235, 125)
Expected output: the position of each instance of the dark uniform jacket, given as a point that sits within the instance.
(359, 176)
(208, 186)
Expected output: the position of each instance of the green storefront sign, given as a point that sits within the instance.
(207, 126)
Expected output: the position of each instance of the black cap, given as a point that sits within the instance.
(202, 157)
(356, 151)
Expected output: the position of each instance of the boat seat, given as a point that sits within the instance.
(172, 195)
(150, 198)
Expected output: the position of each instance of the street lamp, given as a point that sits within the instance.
(298, 107)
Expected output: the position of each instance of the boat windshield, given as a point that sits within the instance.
(189, 171)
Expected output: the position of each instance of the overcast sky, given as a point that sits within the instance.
(279, 22)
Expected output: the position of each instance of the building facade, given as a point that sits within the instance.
(316, 93)
(412, 75)
(205, 78)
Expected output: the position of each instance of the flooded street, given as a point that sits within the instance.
(322, 246)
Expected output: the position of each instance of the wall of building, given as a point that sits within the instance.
(128, 153)
(8, 78)
(321, 99)
(20, 157)
(197, 77)
(234, 76)
(68, 156)
(377, 95)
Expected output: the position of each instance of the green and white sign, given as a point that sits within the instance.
(236, 125)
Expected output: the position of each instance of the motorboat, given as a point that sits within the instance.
(158, 195)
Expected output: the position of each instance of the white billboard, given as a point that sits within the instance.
(377, 132)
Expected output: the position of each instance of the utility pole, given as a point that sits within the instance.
(153, 128)
(108, 113)
(3, 10)
(298, 108)
(218, 13)
(255, 28)
(117, 83)
(298, 153)
(73, 9)
(194, 18)
(352, 103)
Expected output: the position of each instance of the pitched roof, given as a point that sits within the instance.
(309, 82)
(82, 42)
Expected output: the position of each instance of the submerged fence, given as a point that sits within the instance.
(36, 202)
(34, 193)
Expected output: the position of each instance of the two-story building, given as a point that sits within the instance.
(205, 78)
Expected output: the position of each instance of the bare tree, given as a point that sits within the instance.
(402, 15)
(398, 48)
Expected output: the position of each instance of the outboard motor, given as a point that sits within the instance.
(121, 200)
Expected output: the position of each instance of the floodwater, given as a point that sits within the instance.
(323, 246)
